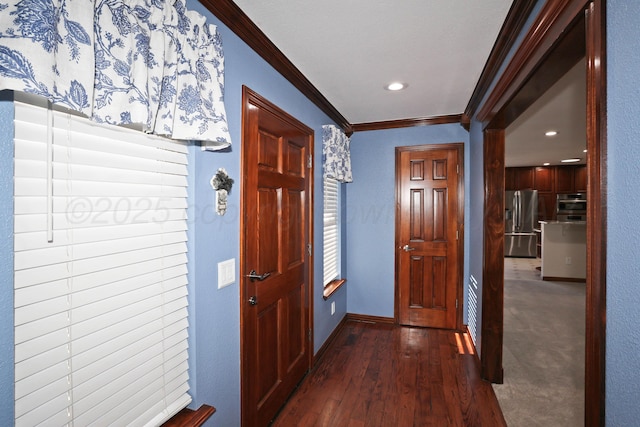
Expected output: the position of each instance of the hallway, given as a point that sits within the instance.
(385, 375)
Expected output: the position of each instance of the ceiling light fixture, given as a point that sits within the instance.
(551, 133)
(570, 160)
(546, 164)
(584, 151)
(395, 86)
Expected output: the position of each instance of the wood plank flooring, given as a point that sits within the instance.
(386, 375)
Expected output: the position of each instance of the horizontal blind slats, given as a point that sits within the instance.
(102, 264)
(57, 254)
(100, 312)
(50, 392)
(330, 265)
(34, 239)
(45, 412)
(38, 204)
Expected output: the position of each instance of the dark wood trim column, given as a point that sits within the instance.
(595, 342)
(493, 259)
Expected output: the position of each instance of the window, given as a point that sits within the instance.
(331, 231)
(100, 268)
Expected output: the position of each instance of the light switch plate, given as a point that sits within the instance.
(226, 272)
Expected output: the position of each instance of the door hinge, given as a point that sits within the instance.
(456, 302)
(309, 334)
(310, 161)
(458, 169)
(457, 234)
(309, 249)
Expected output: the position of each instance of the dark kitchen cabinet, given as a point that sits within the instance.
(580, 179)
(519, 178)
(546, 206)
(510, 180)
(526, 178)
(565, 179)
(544, 179)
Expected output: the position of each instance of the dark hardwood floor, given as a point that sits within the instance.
(386, 375)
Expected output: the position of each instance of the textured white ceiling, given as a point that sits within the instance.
(561, 108)
(350, 49)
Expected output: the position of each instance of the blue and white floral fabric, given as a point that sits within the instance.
(336, 154)
(148, 62)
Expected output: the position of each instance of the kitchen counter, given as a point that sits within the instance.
(564, 250)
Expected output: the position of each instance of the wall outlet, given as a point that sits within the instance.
(333, 308)
(567, 260)
(226, 272)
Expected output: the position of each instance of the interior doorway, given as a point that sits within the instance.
(429, 219)
(554, 37)
(544, 320)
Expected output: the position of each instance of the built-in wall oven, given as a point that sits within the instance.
(571, 207)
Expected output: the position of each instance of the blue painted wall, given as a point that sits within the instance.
(215, 314)
(475, 170)
(623, 231)
(370, 212)
(6, 259)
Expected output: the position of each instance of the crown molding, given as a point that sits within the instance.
(405, 123)
(553, 20)
(511, 28)
(233, 17)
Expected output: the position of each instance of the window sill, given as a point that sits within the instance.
(332, 287)
(190, 418)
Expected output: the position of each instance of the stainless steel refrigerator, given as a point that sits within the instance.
(520, 216)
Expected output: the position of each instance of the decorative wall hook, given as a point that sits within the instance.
(222, 183)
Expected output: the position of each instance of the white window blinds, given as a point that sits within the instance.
(331, 231)
(101, 309)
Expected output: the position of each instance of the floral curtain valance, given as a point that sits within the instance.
(336, 154)
(148, 62)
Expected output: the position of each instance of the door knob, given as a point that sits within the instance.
(255, 276)
(408, 248)
(253, 300)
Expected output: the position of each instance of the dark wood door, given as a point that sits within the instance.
(428, 235)
(275, 262)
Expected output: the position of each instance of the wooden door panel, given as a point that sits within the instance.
(428, 251)
(426, 275)
(296, 333)
(268, 151)
(416, 274)
(439, 215)
(439, 169)
(293, 227)
(417, 170)
(417, 219)
(268, 340)
(268, 230)
(295, 158)
(275, 226)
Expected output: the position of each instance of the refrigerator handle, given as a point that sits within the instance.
(516, 209)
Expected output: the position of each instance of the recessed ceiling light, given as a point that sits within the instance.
(396, 86)
(551, 133)
(584, 151)
(570, 160)
(546, 164)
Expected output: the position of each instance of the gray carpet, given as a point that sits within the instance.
(543, 356)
